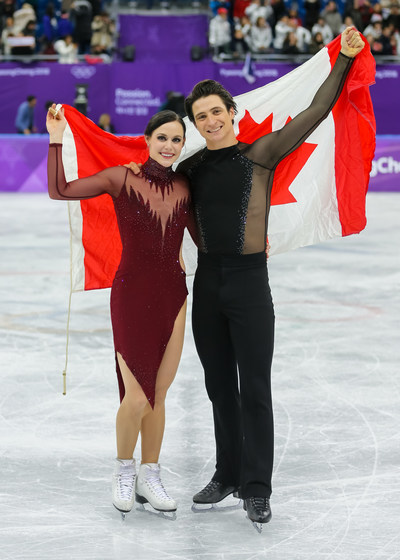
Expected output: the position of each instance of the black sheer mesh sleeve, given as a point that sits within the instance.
(269, 150)
(109, 180)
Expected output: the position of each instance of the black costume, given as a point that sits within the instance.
(233, 316)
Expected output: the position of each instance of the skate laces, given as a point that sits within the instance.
(260, 503)
(153, 481)
(125, 479)
(211, 486)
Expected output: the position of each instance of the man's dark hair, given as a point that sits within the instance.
(204, 89)
(161, 118)
(30, 98)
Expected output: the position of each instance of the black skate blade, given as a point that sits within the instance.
(168, 515)
(216, 508)
(257, 526)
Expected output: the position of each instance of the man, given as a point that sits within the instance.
(233, 316)
(24, 121)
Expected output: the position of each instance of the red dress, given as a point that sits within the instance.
(149, 288)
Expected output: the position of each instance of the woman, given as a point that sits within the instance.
(148, 296)
(261, 36)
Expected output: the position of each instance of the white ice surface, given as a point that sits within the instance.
(336, 395)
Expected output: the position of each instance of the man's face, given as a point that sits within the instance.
(214, 121)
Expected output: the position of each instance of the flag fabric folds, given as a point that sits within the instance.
(319, 190)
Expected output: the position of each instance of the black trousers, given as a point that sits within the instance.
(233, 326)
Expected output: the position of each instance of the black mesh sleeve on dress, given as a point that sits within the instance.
(108, 181)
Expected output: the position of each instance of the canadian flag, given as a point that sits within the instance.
(318, 192)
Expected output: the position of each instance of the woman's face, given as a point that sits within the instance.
(166, 143)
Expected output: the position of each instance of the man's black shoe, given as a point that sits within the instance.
(214, 492)
(258, 509)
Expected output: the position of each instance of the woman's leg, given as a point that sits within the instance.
(130, 412)
(153, 421)
(129, 417)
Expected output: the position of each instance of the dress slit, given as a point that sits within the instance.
(148, 379)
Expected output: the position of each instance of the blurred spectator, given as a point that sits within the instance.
(389, 43)
(105, 123)
(22, 17)
(347, 22)
(7, 32)
(241, 37)
(317, 43)
(332, 17)
(279, 9)
(312, 9)
(302, 34)
(64, 25)
(394, 16)
(282, 28)
(34, 3)
(24, 121)
(7, 8)
(374, 29)
(377, 10)
(322, 27)
(24, 43)
(30, 29)
(395, 42)
(103, 29)
(96, 6)
(66, 5)
(239, 7)
(257, 9)
(49, 22)
(48, 49)
(175, 101)
(220, 32)
(261, 36)
(67, 50)
(381, 45)
(290, 44)
(216, 4)
(81, 17)
(293, 13)
(364, 10)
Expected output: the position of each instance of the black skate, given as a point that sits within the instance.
(212, 494)
(258, 511)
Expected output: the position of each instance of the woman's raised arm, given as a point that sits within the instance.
(107, 181)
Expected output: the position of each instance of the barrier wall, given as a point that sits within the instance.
(132, 92)
(23, 164)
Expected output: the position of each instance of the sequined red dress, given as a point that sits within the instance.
(149, 288)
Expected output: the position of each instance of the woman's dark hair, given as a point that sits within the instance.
(161, 118)
(204, 89)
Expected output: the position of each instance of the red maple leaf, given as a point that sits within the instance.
(288, 169)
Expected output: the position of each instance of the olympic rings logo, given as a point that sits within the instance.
(83, 72)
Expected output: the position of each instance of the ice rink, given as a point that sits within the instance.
(336, 387)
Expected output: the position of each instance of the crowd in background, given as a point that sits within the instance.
(303, 26)
(66, 28)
